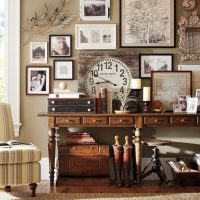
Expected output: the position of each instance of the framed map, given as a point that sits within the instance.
(168, 86)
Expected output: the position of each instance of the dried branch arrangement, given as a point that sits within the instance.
(125, 97)
(50, 20)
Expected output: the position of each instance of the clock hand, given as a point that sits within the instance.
(106, 80)
(101, 82)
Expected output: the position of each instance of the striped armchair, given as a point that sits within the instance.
(19, 164)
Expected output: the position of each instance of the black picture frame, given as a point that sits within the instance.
(154, 62)
(63, 70)
(139, 18)
(55, 45)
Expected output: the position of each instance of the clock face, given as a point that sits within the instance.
(108, 73)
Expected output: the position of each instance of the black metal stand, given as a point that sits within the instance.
(156, 167)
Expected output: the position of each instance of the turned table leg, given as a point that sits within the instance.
(138, 154)
(51, 148)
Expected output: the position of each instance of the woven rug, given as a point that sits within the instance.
(100, 196)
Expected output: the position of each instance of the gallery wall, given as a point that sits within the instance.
(35, 129)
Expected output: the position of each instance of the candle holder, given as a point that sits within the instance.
(146, 107)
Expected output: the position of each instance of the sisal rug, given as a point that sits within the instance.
(100, 196)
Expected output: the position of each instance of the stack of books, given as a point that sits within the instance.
(80, 138)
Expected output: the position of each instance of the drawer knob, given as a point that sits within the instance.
(75, 148)
(89, 102)
(96, 120)
(123, 120)
(89, 110)
(69, 121)
(53, 102)
(182, 120)
(53, 109)
(156, 120)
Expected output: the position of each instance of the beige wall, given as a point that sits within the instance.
(34, 129)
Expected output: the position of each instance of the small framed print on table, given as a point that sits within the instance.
(95, 36)
(154, 62)
(94, 10)
(37, 80)
(38, 52)
(60, 45)
(147, 24)
(63, 69)
(168, 86)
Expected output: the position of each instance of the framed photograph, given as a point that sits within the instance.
(91, 10)
(177, 108)
(198, 96)
(38, 52)
(192, 105)
(155, 62)
(95, 36)
(60, 45)
(195, 75)
(37, 80)
(147, 24)
(167, 86)
(63, 69)
(182, 101)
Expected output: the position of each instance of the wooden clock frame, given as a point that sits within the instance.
(88, 58)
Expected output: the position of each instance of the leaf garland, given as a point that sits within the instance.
(50, 20)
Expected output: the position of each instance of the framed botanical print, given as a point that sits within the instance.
(94, 10)
(60, 45)
(154, 62)
(95, 36)
(168, 86)
(38, 52)
(63, 70)
(144, 23)
(37, 80)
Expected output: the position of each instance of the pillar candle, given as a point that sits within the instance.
(136, 84)
(146, 94)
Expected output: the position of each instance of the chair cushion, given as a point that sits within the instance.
(19, 154)
(15, 174)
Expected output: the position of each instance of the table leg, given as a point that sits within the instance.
(138, 153)
(51, 148)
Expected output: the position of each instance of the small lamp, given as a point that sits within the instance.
(146, 98)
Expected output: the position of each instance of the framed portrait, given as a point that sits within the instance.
(60, 45)
(155, 62)
(147, 24)
(95, 36)
(177, 108)
(182, 101)
(37, 80)
(168, 86)
(192, 103)
(91, 10)
(63, 69)
(197, 95)
(195, 75)
(38, 52)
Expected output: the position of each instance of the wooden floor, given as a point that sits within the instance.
(145, 187)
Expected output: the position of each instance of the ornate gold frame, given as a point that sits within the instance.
(192, 22)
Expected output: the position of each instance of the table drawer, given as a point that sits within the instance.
(184, 120)
(67, 120)
(121, 120)
(156, 120)
(83, 150)
(95, 120)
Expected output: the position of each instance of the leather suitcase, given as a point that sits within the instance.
(79, 102)
(72, 109)
(83, 161)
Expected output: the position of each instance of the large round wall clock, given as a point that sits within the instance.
(109, 73)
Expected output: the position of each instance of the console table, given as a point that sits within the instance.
(135, 120)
